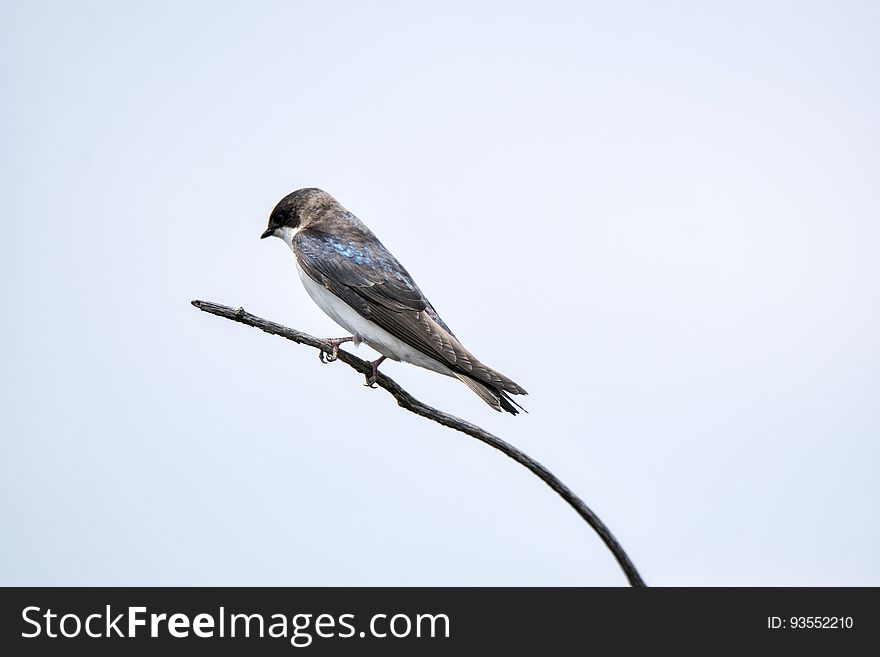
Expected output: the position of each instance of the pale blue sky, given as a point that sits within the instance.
(663, 219)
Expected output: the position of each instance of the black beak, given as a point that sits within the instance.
(267, 233)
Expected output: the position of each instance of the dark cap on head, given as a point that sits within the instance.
(299, 208)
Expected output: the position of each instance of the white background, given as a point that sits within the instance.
(662, 219)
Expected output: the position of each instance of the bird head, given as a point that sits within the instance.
(296, 211)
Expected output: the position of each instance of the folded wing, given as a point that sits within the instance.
(361, 272)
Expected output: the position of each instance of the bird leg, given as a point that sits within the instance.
(334, 342)
(371, 380)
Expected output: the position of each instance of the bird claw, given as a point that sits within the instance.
(334, 354)
(374, 377)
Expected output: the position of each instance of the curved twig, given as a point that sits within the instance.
(410, 403)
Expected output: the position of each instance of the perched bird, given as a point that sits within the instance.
(363, 288)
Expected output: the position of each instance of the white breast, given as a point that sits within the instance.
(365, 330)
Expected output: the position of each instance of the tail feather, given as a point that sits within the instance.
(496, 397)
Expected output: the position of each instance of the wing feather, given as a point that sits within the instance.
(363, 273)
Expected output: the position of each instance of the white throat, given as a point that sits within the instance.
(286, 234)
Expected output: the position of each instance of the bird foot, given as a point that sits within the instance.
(372, 378)
(333, 355)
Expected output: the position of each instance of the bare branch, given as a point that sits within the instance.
(410, 403)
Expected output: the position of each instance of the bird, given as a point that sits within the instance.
(361, 286)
